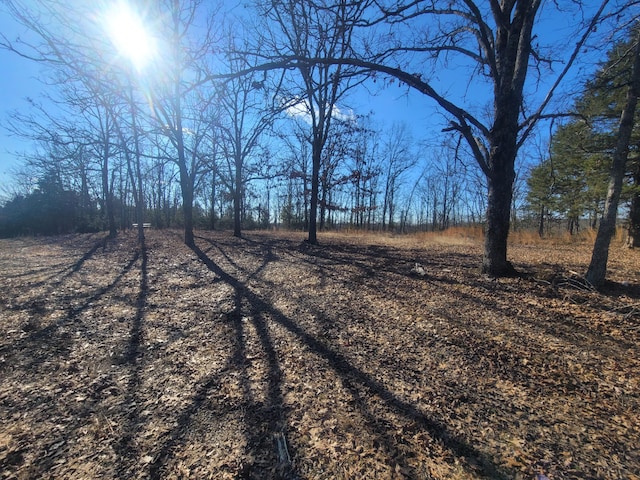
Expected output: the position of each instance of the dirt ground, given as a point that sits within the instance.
(264, 357)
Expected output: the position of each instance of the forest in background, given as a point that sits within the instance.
(270, 142)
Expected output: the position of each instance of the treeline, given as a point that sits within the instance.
(369, 182)
(370, 178)
(205, 114)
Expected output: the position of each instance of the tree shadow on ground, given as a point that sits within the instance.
(373, 261)
(132, 357)
(361, 385)
(265, 422)
(67, 269)
(43, 354)
(47, 341)
(376, 261)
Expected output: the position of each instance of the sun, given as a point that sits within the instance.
(128, 33)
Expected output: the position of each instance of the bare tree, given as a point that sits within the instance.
(98, 130)
(366, 170)
(335, 174)
(398, 159)
(179, 99)
(313, 30)
(295, 170)
(249, 105)
(79, 51)
(85, 50)
(83, 134)
(495, 40)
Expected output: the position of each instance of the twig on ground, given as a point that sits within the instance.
(284, 459)
(577, 281)
(628, 311)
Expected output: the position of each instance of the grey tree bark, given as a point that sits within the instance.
(597, 270)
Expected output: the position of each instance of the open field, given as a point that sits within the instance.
(264, 357)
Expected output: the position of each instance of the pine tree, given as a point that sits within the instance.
(598, 265)
(577, 172)
(540, 196)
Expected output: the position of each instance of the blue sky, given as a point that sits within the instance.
(22, 78)
(19, 80)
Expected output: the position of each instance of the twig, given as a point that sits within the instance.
(578, 282)
(627, 310)
(283, 452)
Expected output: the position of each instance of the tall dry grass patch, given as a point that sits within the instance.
(463, 235)
(459, 236)
(583, 237)
(452, 236)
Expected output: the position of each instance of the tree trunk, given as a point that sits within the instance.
(494, 261)
(541, 223)
(108, 195)
(212, 219)
(237, 215)
(237, 199)
(137, 191)
(322, 203)
(598, 267)
(634, 212)
(187, 208)
(186, 186)
(315, 183)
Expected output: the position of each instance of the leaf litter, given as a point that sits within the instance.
(265, 357)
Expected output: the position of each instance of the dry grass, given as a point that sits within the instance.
(470, 236)
(586, 237)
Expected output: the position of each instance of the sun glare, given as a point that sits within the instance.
(129, 35)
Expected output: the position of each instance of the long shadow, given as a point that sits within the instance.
(44, 344)
(564, 326)
(177, 435)
(386, 262)
(265, 251)
(372, 261)
(69, 270)
(132, 358)
(48, 334)
(353, 375)
(263, 421)
(78, 265)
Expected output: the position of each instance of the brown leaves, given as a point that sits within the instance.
(337, 357)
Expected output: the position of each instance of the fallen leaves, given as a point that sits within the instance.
(260, 359)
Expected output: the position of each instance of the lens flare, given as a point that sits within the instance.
(129, 34)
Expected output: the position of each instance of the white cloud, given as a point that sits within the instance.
(299, 108)
(344, 115)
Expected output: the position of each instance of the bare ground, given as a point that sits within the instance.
(264, 357)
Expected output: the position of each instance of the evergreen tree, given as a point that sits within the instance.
(602, 104)
(541, 195)
(599, 257)
(576, 174)
(49, 210)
